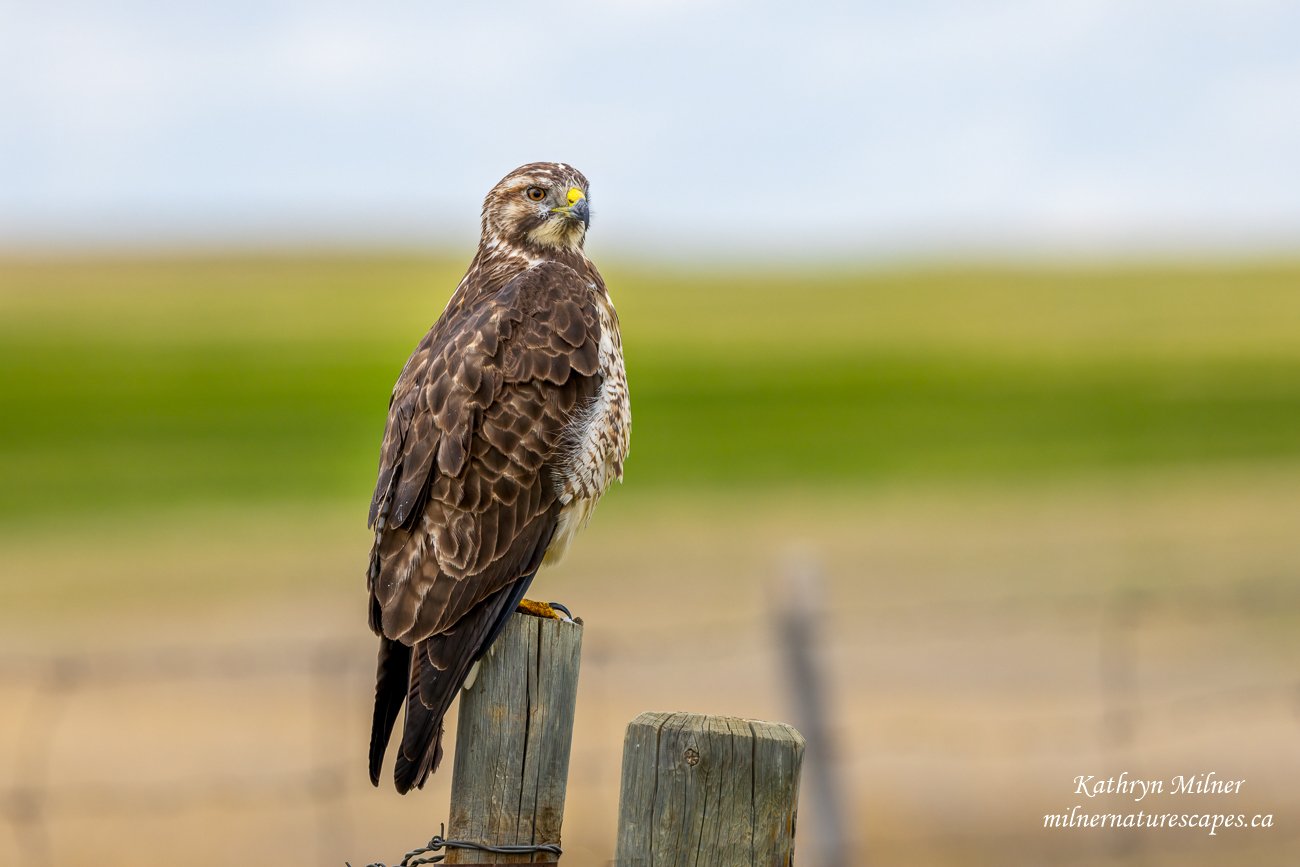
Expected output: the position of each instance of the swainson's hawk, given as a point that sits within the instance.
(506, 426)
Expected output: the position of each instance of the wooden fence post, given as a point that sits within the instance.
(512, 742)
(798, 606)
(708, 791)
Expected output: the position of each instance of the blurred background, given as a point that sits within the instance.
(972, 328)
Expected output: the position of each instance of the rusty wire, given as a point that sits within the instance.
(439, 843)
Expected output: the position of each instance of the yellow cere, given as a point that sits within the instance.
(575, 195)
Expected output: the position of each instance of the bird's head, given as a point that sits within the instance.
(540, 205)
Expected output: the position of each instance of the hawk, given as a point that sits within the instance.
(507, 424)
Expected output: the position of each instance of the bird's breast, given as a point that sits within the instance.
(599, 437)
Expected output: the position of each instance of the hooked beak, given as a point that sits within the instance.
(579, 211)
(577, 208)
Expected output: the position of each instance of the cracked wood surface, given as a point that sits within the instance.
(708, 791)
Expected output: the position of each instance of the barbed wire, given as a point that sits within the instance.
(183, 662)
(952, 619)
(439, 843)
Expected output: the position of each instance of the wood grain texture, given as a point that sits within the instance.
(513, 741)
(708, 791)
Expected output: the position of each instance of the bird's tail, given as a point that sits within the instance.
(390, 692)
(426, 678)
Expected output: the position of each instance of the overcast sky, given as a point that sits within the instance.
(786, 128)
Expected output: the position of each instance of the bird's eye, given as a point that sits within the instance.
(535, 193)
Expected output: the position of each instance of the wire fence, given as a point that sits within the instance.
(34, 796)
(1127, 716)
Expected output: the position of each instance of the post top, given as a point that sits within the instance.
(684, 721)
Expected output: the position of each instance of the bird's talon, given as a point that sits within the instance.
(536, 609)
(549, 610)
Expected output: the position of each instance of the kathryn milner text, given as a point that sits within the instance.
(1194, 784)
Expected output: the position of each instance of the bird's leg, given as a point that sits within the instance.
(552, 610)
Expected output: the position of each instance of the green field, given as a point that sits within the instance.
(153, 383)
(1003, 474)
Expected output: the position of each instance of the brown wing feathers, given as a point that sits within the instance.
(441, 663)
(466, 501)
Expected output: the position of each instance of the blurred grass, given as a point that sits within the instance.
(149, 384)
(187, 445)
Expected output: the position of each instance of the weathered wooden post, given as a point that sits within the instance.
(708, 791)
(512, 742)
(798, 606)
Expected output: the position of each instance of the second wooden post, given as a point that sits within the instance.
(708, 791)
